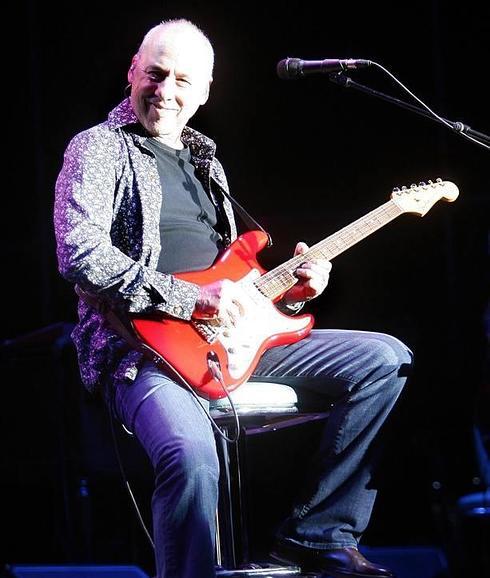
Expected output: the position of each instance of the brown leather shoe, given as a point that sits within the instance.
(339, 562)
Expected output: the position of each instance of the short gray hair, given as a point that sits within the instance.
(183, 26)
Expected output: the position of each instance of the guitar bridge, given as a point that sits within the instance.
(206, 331)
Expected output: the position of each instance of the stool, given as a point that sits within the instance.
(262, 407)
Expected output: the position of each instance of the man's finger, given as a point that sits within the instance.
(301, 248)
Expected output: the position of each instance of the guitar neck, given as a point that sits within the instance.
(275, 282)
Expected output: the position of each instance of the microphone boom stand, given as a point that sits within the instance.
(343, 80)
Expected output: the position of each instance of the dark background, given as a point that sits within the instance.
(305, 157)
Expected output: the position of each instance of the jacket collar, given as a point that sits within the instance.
(123, 115)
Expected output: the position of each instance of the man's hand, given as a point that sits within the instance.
(221, 300)
(312, 276)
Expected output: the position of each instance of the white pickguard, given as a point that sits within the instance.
(260, 321)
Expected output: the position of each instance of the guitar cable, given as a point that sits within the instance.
(122, 469)
(215, 369)
(213, 363)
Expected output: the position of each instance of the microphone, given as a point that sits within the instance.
(297, 68)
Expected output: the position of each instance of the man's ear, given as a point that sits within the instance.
(131, 68)
(205, 94)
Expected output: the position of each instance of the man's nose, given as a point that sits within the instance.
(166, 88)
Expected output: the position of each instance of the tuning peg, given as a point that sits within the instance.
(422, 184)
(396, 190)
(413, 186)
(439, 180)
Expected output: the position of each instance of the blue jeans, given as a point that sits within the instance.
(362, 372)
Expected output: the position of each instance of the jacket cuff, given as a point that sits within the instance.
(177, 297)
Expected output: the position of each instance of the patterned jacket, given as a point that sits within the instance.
(107, 211)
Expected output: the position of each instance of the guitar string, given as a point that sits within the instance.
(346, 232)
(275, 282)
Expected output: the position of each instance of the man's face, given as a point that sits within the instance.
(169, 79)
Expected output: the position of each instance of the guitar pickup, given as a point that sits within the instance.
(206, 331)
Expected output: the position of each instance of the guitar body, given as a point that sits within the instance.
(203, 352)
(215, 359)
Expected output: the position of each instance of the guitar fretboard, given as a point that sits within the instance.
(278, 280)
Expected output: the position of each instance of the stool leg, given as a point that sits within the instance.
(219, 559)
(229, 518)
(232, 551)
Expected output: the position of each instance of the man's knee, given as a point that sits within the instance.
(391, 364)
(393, 353)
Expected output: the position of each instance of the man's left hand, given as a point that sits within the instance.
(313, 276)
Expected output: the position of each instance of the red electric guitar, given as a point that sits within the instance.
(212, 358)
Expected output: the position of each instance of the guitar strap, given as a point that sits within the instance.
(244, 214)
(113, 319)
(102, 307)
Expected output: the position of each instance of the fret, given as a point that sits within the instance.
(279, 280)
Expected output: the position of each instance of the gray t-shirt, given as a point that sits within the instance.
(188, 218)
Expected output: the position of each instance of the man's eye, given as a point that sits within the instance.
(183, 82)
(154, 76)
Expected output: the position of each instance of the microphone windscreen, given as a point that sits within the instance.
(289, 68)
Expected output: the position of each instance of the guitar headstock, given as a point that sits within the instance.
(420, 198)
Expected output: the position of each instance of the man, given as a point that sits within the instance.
(140, 197)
